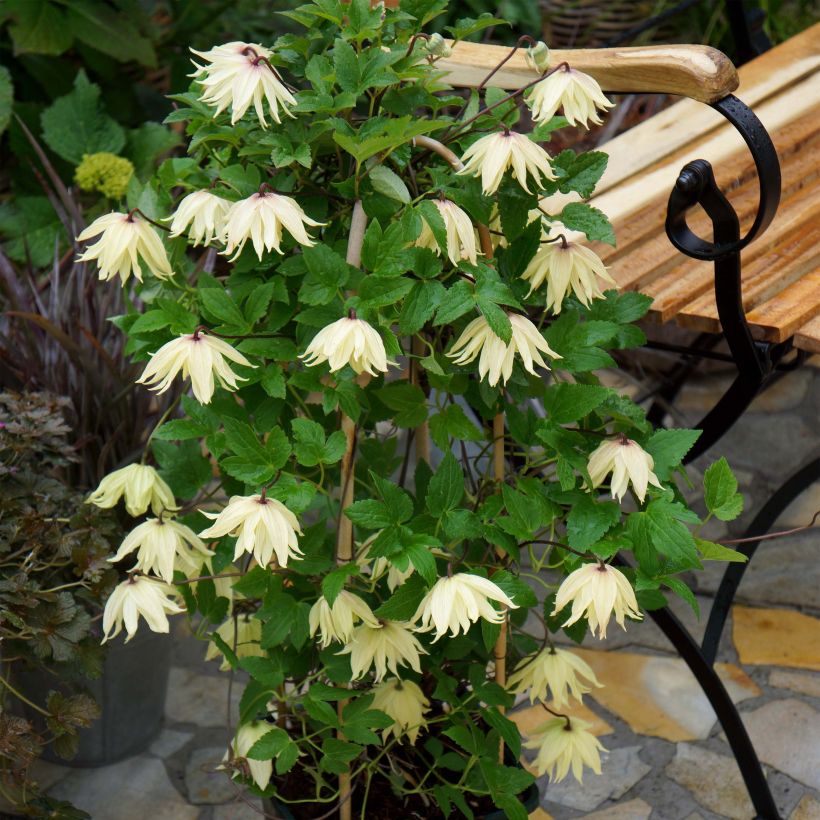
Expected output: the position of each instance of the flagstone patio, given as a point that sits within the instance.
(667, 759)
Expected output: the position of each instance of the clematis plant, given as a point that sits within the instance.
(378, 492)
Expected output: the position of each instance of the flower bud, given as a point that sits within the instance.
(538, 57)
(437, 46)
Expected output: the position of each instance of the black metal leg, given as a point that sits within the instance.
(727, 714)
(763, 522)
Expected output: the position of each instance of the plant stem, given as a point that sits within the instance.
(500, 648)
(23, 698)
(344, 542)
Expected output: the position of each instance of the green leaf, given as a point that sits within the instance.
(578, 216)
(39, 27)
(218, 305)
(580, 172)
(419, 305)
(566, 402)
(327, 274)
(506, 728)
(381, 291)
(110, 32)
(183, 466)
(346, 63)
(333, 583)
(403, 603)
(310, 446)
(147, 143)
(452, 422)
(423, 560)
(457, 301)
(389, 183)
(668, 447)
(75, 125)
(270, 745)
(720, 491)
(669, 536)
(472, 25)
(446, 487)
(6, 96)
(588, 521)
(710, 551)
(407, 401)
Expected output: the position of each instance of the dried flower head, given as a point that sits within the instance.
(627, 461)
(203, 216)
(198, 355)
(141, 486)
(555, 673)
(403, 701)
(563, 745)
(137, 596)
(578, 94)
(351, 342)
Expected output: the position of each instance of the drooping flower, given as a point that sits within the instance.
(261, 218)
(264, 527)
(348, 341)
(243, 634)
(491, 156)
(238, 75)
(557, 671)
(203, 216)
(198, 355)
(597, 591)
(563, 745)
(403, 701)
(387, 646)
(125, 241)
(460, 233)
(627, 461)
(159, 542)
(246, 736)
(497, 357)
(137, 596)
(578, 93)
(458, 601)
(142, 487)
(336, 622)
(566, 266)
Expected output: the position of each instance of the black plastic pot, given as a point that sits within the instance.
(529, 800)
(130, 693)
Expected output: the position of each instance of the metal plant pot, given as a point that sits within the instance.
(130, 693)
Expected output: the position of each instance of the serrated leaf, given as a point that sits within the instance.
(668, 448)
(389, 183)
(407, 401)
(566, 402)
(720, 491)
(588, 521)
(446, 487)
(710, 551)
(578, 216)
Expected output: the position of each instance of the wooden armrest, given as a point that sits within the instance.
(699, 72)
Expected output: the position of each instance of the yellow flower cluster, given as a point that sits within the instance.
(104, 172)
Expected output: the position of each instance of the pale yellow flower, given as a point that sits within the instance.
(627, 461)
(457, 602)
(243, 634)
(403, 701)
(137, 596)
(566, 266)
(578, 93)
(238, 75)
(261, 218)
(497, 357)
(159, 542)
(562, 745)
(348, 341)
(125, 241)
(198, 355)
(386, 647)
(141, 486)
(557, 671)
(205, 213)
(597, 591)
(538, 57)
(460, 233)
(246, 736)
(335, 623)
(491, 156)
(263, 526)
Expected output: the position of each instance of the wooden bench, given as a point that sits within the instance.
(765, 298)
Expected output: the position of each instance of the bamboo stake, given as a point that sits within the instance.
(344, 536)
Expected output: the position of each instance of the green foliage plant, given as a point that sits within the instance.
(375, 487)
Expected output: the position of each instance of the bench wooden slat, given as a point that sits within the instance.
(699, 72)
(808, 337)
(781, 317)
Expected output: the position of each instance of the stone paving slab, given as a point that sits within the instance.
(776, 637)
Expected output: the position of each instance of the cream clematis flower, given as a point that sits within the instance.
(261, 218)
(198, 355)
(403, 701)
(386, 647)
(125, 241)
(205, 213)
(564, 744)
(555, 670)
(263, 526)
(491, 156)
(243, 634)
(578, 93)
(566, 266)
(395, 576)
(460, 233)
(348, 341)
(456, 602)
(596, 591)
(627, 461)
(159, 543)
(246, 735)
(497, 357)
(137, 596)
(142, 487)
(240, 75)
(335, 623)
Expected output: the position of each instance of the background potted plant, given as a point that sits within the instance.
(375, 475)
